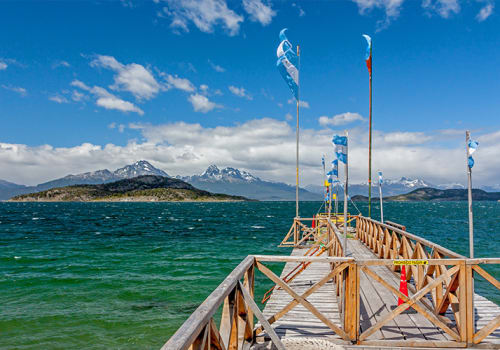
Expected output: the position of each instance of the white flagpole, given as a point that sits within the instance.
(381, 201)
(297, 150)
(346, 174)
(469, 178)
(471, 223)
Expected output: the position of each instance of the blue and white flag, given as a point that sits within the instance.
(288, 64)
(335, 167)
(340, 143)
(472, 148)
(380, 179)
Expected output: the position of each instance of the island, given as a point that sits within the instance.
(433, 194)
(146, 188)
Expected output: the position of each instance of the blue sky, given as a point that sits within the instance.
(99, 84)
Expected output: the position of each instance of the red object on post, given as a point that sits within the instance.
(314, 221)
(403, 286)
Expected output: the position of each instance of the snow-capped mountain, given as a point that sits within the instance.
(241, 183)
(453, 186)
(213, 174)
(138, 168)
(141, 167)
(390, 187)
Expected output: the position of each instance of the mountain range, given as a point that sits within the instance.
(241, 183)
(230, 181)
(143, 188)
(390, 187)
(434, 194)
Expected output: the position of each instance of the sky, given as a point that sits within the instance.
(87, 85)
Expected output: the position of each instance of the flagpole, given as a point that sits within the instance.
(469, 180)
(297, 145)
(345, 192)
(370, 142)
(381, 202)
(471, 224)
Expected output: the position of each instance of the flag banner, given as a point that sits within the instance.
(368, 56)
(335, 167)
(380, 179)
(288, 63)
(323, 161)
(340, 143)
(472, 148)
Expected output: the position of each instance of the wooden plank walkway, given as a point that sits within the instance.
(300, 322)
(375, 302)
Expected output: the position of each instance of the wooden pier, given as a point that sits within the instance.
(333, 297)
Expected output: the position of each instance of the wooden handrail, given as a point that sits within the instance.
(192, 327)
(416, 238)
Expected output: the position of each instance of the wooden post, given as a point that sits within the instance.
(351, 302)
(296, 231)
(346, 174)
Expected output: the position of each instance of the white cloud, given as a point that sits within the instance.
(3, 66)
(204, 14)
(303, 104)
(406, 138)
(266, 147)
(58, 99)
(120, 127)
(204, 87)
(391, 8)
(180, 83)
(107, 100)
(77, 96)
(216, 67)
(133, 77)
(485, 11)
(60, 64)
(17, 89)
(301, 11)
(258, 11)
(443, 7)
(340, 119)
(202, 103)
(289, 117)
(241, 92)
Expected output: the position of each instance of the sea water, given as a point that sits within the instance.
(126, 275)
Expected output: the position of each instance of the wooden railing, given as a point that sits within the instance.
(438, 278)
(236, 296)
(300, 235)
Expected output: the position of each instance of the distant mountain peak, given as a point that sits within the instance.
(141, 167)
(228, 174)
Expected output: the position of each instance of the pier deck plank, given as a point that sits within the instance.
(375, 302)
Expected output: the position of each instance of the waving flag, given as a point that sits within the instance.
(323, 161)
(340, 143)
(368, 56)
(335, 167)
(288, 63)
(472, 148)
(380, 180)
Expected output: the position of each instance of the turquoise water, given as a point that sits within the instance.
(126, 275)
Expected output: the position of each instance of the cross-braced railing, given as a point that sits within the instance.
(438, 280)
